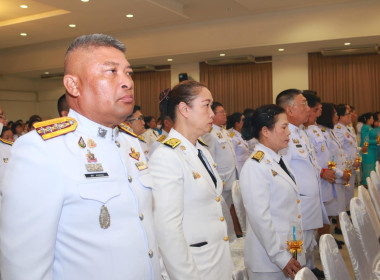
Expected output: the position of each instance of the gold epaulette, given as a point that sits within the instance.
(6, 141)
(141, 138)
(172, 142)
(127, 129)
(55, 127)
(200, 141)
(161, 138)
(258, 156)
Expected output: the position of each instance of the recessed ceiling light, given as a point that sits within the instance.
(347, 43)
(222, 54)
(281, 50)
(129, 16)
(170, 59)
(46, 73)
(24, 6)
(72, 25)
(23, 34)
(85, 0)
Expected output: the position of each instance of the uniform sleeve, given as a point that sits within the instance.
(31, 208)
(339, 134)
(255, 186)
(166, 168)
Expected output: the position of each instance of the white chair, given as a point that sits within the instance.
(367, 201)
(239, 206)
(305, 274)
(375, 180)
(369, 240)
(363, 270)
(332, 261)
(374, 194)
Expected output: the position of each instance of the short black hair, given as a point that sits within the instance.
(326, 118)
(62, 104)
(312, 99)
(232, 119)
(286, 97)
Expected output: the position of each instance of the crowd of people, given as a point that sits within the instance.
(104, 192)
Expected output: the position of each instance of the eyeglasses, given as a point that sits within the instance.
(304, 103)
(221, 112)
(139, 118)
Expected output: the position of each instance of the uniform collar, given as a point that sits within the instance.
(184, 142)
(92, 128)
(294, 129)
(276, 157)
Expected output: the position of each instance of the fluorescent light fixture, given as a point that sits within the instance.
(85, 0)
(347, 43)
(281, 50)
(129, 16)
(24, 6)
(23, 34)
(170, 59)
(72, 25)
(222, 54)
(47, 73)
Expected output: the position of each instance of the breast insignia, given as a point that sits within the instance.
(172, 142)
(6, 142)
(161, 138)
(55, 127)
(258, 156)
(338, 126)
(200, 141)
(323, 129)
(274, 173)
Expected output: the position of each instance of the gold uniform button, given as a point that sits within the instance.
(298, 201)
(222, 219)
(224, 183)
(225, 238)
(218, 199)
(299, 216)
(223, 147)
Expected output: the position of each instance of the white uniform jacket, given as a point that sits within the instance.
(220, 146)
(5, 151)
(158, 142)
(272, 203)
(241, 148)
(190, 228)
(150, 135)
(53, 193)
(299, 156)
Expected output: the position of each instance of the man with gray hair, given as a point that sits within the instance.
(82, 208)
(301, 158)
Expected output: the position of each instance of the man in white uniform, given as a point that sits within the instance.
(301, 159)
(82, 208)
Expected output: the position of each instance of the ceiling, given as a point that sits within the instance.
(46, 23)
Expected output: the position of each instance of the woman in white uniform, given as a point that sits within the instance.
(190, 228)
(271, 199)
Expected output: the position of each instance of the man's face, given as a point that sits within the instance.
(314, 113)
(104, 86)
(220, 117)
(136, 122)
(300, 110)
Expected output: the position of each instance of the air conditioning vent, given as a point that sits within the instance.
(231, 60)
(368, 49)
(263, 59)
(143, 68)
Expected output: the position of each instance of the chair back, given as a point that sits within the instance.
(239, 206)
(378, 168)
(369, 240)
(305, 274)
(363, 270)
(374, 193)
(367, 201)
(375, 180)
(332, 261)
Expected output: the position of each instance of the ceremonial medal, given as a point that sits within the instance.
(102, 132)
(274, 173)
(91, 157)
(141, 165)
(135, 155)
(91, 143)
(104, 218)
(219, 135)
(81, 143)
(196, 175)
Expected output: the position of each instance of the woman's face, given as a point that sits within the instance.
(152, 124)
(238, 125)
(335, 117)
(370, 121)
(200, 113)
(8, 135)
(278, 137)
(19, 130)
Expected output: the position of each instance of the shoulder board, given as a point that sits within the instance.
(172, 142)
(161, 138)
(232, 134)
(141, 138)
(127, 129)
(338, 126)
(6, 142)
(323, 129)
(55, 127)
(258, 156)
(200, 141)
